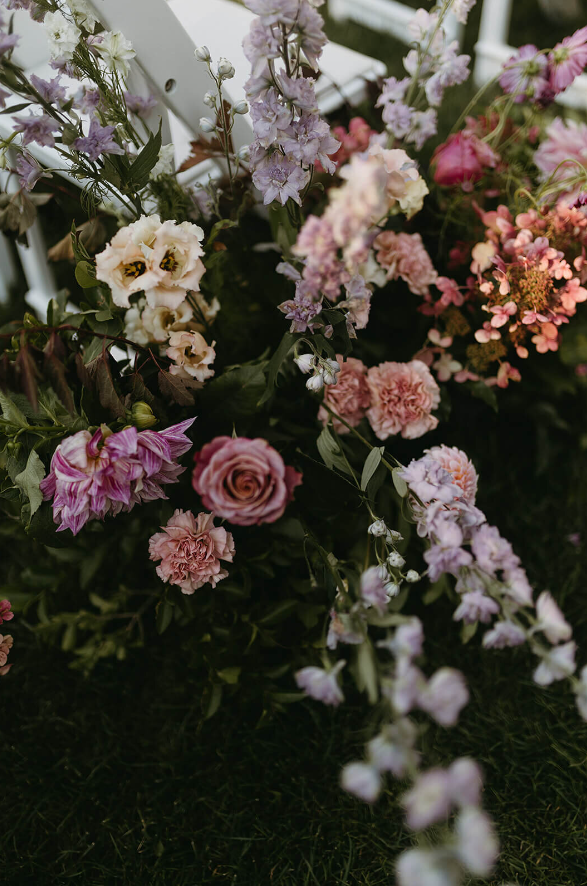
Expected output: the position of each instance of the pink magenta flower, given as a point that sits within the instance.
(462, 159)
(349, 397)
(403, 255)
(190, 549)
(95, 475)
(567, 60)
(459, 466)
(403, 396)
(5, 613)
(243, 480)
(6, 642)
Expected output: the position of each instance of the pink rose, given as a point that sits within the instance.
(402, 397)
(190, 549)
(403, 255)
(463, 158)
(243, 480)
(349, 397)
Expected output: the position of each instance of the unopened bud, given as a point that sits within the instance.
(305, 362)
(412, 576)
(202, 53)
(225, 69)
(241, 107)
(391, 589)
(142, 415)
(393, 535)
(396, 559)
(210, 100)
(244, 153)
(315, 383)
(377, 528)
(330, 370)
(207, 125)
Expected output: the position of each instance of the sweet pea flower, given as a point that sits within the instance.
(429, 800)
(444, 696)
(320, 684)
(550, 619)
(556, 665)
(362, 780)
(477, 844)
(503, 634)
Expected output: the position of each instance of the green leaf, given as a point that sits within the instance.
(330, 452)
(211, 700)
(175, 388)
(366, 670)
(400, 484)
(285, 346)
(14, 108)
(278, 612)
(468, 631)
(234, 394)
(230, 675)
(164, 618)
(29, 480)
(85, 274)
(11, 413)
(371, 464)
(482, 392)
(221, 225)
(138, 174)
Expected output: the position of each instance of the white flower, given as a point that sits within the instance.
(116, 51)
(477, 844)
(207, 125)
(429, 800)
(225, 69)
(396, 559)
(581, 693)
(362, 780)
(165, 164)
(202, 53)
(378, 528)
(556, 665)
(63, 35)
(82, 14)
(241, 107)
(320, 684)
(305, 362)
(191, 356)
(329, 369)
(551, 620)
(425, 867)
(412, 576)
(315, 383)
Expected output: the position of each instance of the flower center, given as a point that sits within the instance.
(169, 262)
(134, 269)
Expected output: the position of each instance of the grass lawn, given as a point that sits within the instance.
(111, 779)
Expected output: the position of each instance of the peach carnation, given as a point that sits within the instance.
(403, 396)
(190, 549)
(349, 397)
(456, 463)
(403, 255)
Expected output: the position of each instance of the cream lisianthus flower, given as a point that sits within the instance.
(125, 264)
(176, 255)
(191, 356)
(145, 325)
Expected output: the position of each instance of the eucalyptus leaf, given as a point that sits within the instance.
(371, 464)
(401, 487)
(29, 479)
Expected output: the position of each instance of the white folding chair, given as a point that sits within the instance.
(388, 16)
(164, 34)
(492, 50)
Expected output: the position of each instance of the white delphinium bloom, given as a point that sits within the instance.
(165, 164)
(116, 51)
(63, 35)
(83, 14)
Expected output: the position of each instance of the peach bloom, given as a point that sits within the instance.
(349, 397)
(404, 183)
(190, 549)
(191, 356)
(403, 396)
(177, 252)
(124, 264)
(403, 255)
(458, 464)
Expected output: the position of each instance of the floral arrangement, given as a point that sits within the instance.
(160, 451)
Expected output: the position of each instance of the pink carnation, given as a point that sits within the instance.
(95, 475)
(349, 397)
(403, 255)
(456, 463)
(6, 642)
(403, 396)
(190, 549)
(243, 480)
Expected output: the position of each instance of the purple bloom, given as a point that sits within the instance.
(312, 37)
(269, 117)
(461, 9)
(551, 621)
(408, 684)
(429, 800)
(87, 100)
(465, 782)
(50, 90)
(398, 118)
(373, 592)
(93, 476)
(302, 310)
(362, 780)
(444, 696)
(279, 178)
(259, 45)
(99, 140)
(274, 11)
(424, 126)
(394, 90)
(29, 171)
(449, 559)
(8, 42)
(430, 481)
(308, 139)
(525, 74)
(393, 749)
(300, 91)
(491, 551)
(477, 844)
(342, 630)
(320, 684)
(425, 867)
(138, 104)
(37, 129)
(476, 606)
(408, 639)
(504, 634)
(568, 59)
(556, 665)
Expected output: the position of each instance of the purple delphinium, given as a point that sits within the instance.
(37, 129)
(320, 684)
(87, 100)
(308, 139)
(29, 171)
(279, 178)
(99, 140)
(49, 90)
(92, 476)
(476, 606)
(138, 104)
(269, 116)
(8, 42)
(302, 310)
